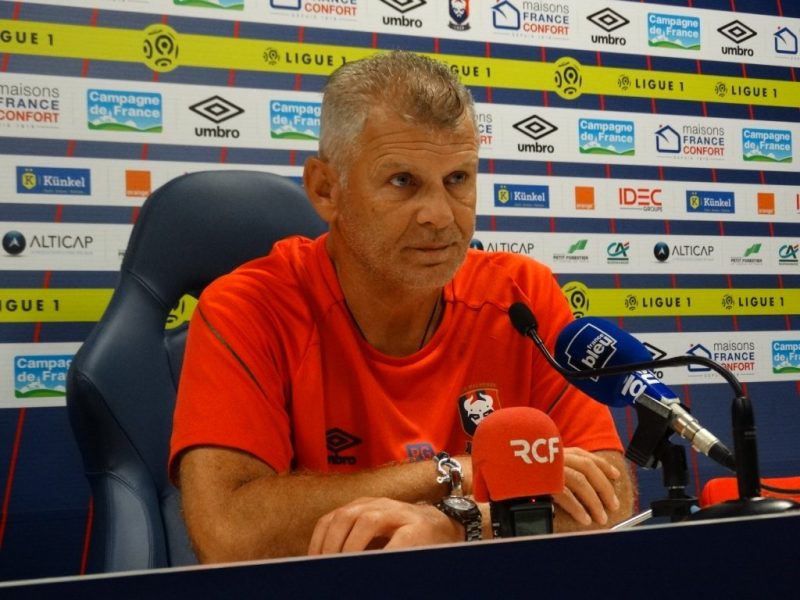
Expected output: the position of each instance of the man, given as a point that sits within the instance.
(314, 376)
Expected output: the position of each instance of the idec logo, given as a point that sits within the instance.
(137, 184)
(46, 180)
(41, 376)
(643, 198)
(124, 111)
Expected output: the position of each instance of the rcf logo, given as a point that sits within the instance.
(337, 440)
(529, 452)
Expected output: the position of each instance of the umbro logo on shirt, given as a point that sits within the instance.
(338, 440)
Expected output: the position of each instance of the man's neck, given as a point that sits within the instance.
(395, 322)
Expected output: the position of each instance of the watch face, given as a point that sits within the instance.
(458, 502)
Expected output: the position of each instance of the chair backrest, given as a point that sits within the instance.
(122, 382)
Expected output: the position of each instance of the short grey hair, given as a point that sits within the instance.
(420, 90)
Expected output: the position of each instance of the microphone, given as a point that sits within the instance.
(518, 464)
(589, 342)
(612, 367)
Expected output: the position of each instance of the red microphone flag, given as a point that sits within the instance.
(516, 453)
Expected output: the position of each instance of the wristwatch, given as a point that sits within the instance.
(465, 511)
(456, 505)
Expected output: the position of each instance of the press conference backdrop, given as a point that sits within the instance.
(646, 152)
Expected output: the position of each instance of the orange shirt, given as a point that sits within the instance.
(275, 367)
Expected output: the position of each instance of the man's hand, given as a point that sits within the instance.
(593, 487)
(370, 523)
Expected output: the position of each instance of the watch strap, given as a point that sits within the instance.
(471, 519)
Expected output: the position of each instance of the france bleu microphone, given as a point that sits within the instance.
(518, 464)
(590, 343)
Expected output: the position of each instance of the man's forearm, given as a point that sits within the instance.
(259, 514)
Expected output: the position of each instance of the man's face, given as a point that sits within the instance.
(407, 212)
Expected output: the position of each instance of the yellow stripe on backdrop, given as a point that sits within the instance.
(71, 306)
(162, 48)
(586, 301)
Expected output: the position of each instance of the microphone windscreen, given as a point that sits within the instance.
(592, 343)
(521, 317)
(516, 453)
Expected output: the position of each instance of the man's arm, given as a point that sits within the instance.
(238, 508)
(599, 492)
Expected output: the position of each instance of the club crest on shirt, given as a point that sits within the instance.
(475, 405)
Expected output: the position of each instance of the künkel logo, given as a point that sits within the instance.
(673, 32)
(294, 120)
(120, 110)
(46, 180)
(767, 145)
(710, 202)
(606, 137)
(521, 196)
(41, 376)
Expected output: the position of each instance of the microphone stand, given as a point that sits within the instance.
(652, 432)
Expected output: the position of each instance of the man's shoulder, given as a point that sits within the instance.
(284, 269)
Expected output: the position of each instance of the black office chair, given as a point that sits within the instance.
(122, 383)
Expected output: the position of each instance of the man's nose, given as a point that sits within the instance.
(436, 207)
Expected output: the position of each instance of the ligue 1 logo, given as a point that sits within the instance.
(568, 78)
(160, 48)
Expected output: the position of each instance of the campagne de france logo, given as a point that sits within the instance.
(41, 376)
(224, 4)
(786, 357)
(767, 145)
(120, 110)
(605, 136)
(47, 180)
(674, 32)
(293, 120)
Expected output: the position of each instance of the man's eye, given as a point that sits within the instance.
(401, 180)
(457, 178)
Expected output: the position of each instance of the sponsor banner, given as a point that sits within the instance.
(34, 375)
(638, 198)
(635, 253)
(72, 246)
(114, 182)
(623, 27)
(164, 49)
(49, 180)
(207, 116)
(676, 303)
(750, 355)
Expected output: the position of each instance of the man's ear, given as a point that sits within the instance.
(322, 187)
